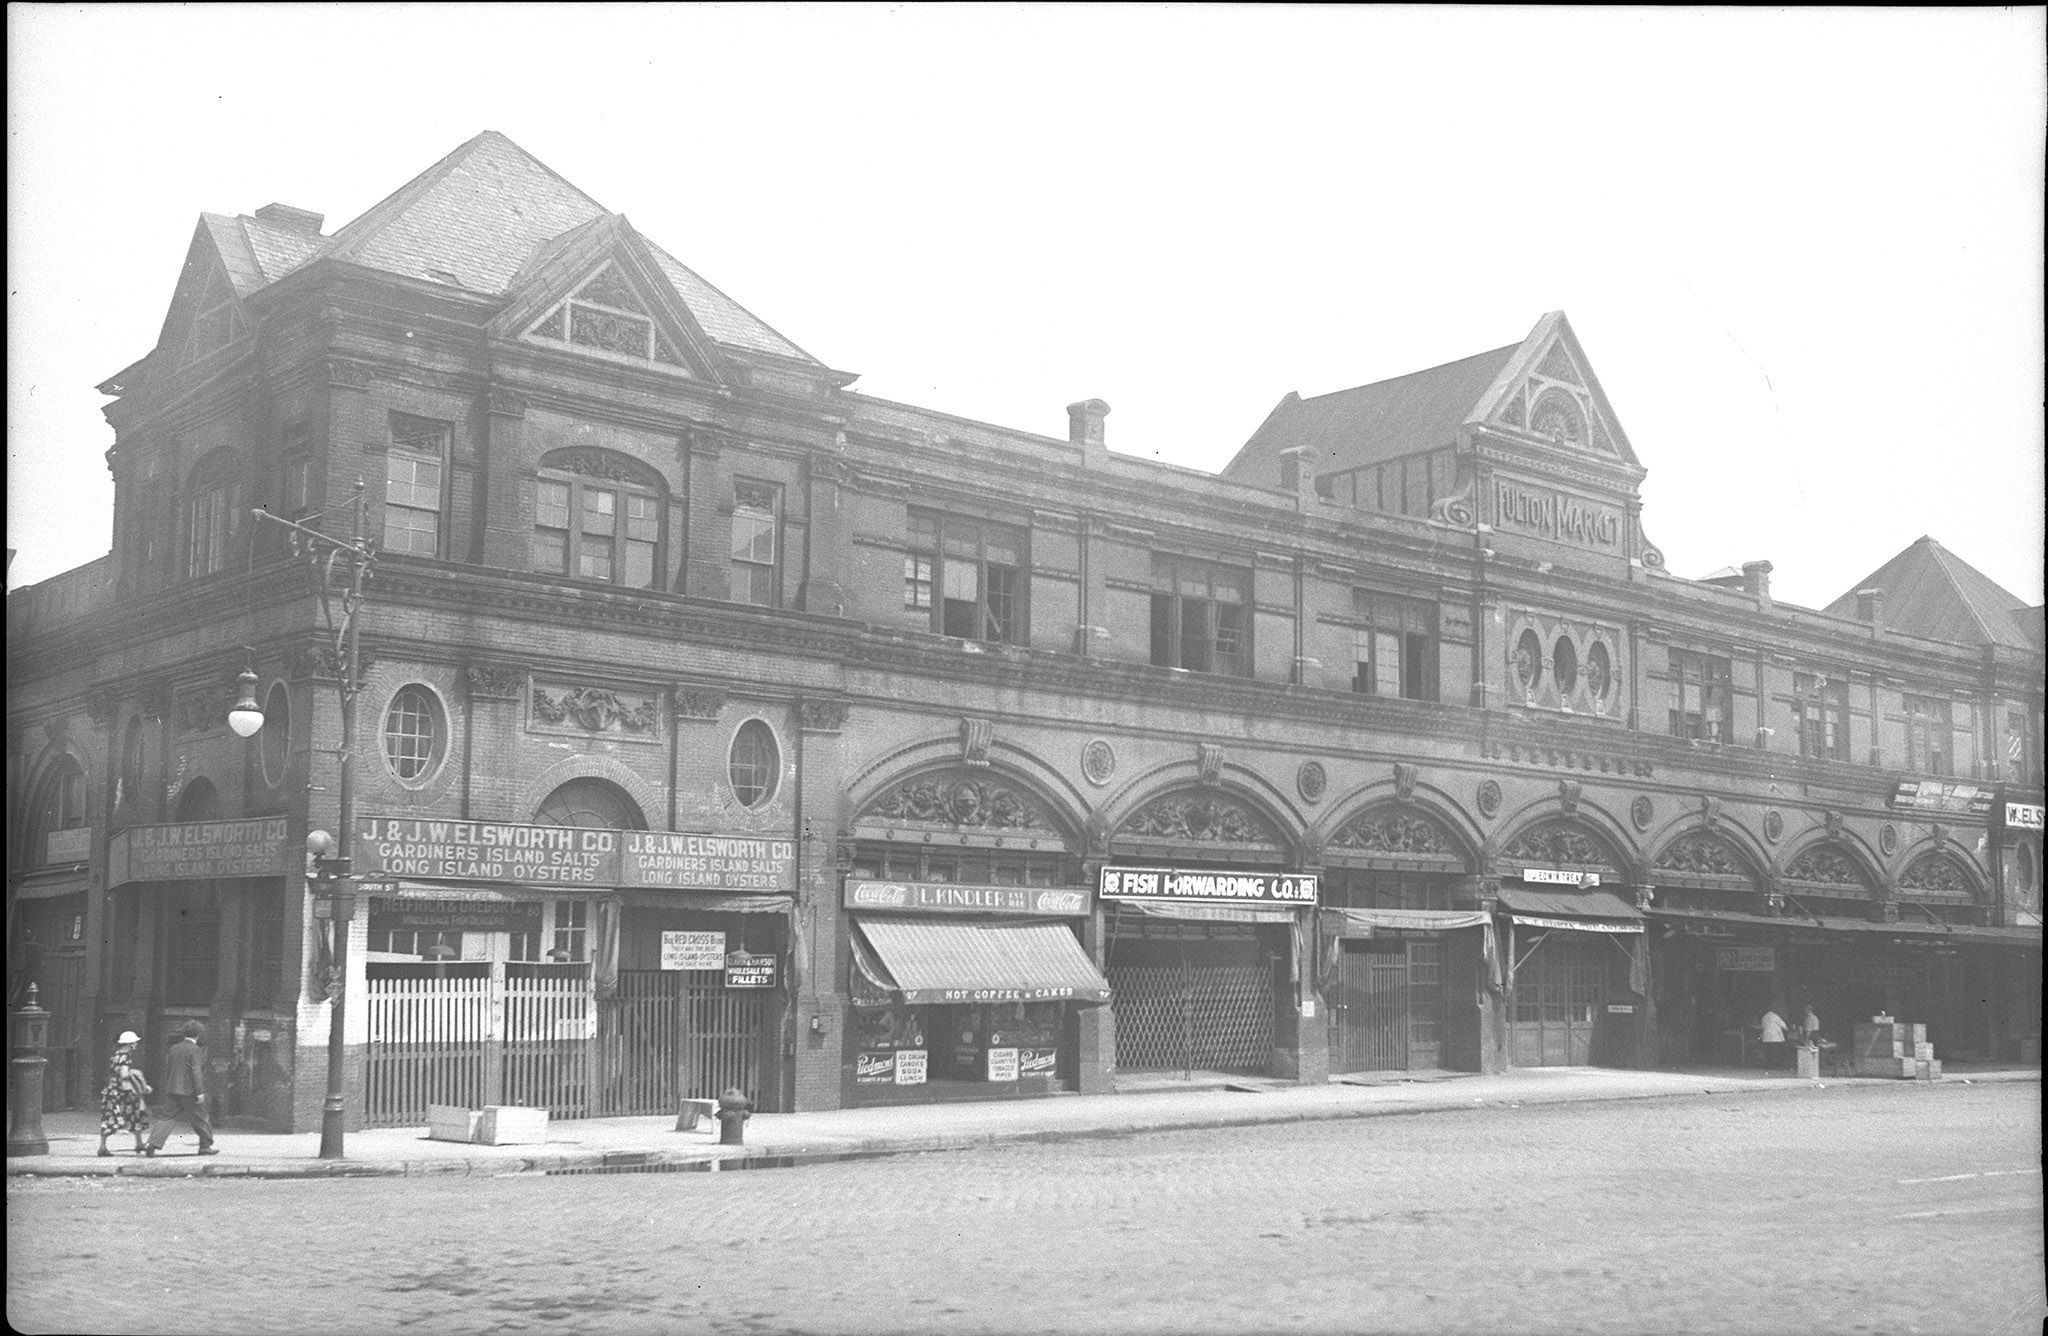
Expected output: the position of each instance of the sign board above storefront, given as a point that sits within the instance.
(942, 898)
(1942, 795)
(1553, 877)
(399, 913)
(1746, 959)
(571, 856)
(68, 846)
(1205, 886)
(2023, 816)
(202, 851)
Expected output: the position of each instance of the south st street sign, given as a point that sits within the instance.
(1202, 886)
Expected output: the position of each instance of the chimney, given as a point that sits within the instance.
(1297, 477)
(1870, 608)
(1084, 428)
(292, 219)
(1756, 581)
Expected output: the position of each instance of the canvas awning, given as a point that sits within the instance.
(1580, 911)
(919, 960)
(1919, 932)
(1339, 921)
(1203, 913)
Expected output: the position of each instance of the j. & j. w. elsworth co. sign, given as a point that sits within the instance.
(1552, 514)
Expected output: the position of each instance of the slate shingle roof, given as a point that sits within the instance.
(1385, 420)
(486, 214)
(1932, 593)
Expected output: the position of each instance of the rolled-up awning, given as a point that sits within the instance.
(1204, 913)
(1580, 911)
(923, 961)
(1414, 920)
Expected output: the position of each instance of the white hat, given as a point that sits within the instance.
(129, 1037)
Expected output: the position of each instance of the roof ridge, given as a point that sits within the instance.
(350, 239)
(1947, 562)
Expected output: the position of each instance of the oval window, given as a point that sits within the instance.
(755, 763)
(1599, 674)
(277, 733)
(415, 733)
(1528, 662)
(1564, 665)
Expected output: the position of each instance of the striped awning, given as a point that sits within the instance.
(918, 960)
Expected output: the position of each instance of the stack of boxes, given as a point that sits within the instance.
(1891, 1048)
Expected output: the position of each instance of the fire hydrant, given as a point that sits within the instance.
(733, 1111)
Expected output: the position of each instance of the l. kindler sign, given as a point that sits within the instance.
(389, 847)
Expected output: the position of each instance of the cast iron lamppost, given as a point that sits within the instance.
(341, 568)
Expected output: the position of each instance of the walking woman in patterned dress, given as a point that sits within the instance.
(121, 1106)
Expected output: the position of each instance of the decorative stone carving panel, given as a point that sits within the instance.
(1826, 866)
(821, 716)
(699, 702)
(1558, 842)
(956, 802)
(1394, 833)
(1201, 818)
(975, 737)
(494, 681)
(1702, 851)
(588, 710)
(1938, 874)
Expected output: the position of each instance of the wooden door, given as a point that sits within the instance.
(1373, 990)
(1425, 1005)
(1560, 987)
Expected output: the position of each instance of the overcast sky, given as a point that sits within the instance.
(1803, 249)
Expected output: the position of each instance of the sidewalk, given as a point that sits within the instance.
(596, 1145)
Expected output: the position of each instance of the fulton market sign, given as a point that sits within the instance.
(1207, 886)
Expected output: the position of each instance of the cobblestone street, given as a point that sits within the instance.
(1898, 1209)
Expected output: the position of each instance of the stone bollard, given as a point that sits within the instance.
(733, 1111)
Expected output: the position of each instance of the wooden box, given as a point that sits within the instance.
(512, 1125)
(1916, 1032)
(1896, 1067)
(1809, 1064)
(1922, 1052)
(451, 1122)
(1930, 1070)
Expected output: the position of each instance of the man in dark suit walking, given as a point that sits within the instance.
(183, 1089)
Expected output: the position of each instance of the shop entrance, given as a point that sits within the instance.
(1390, 1005)
(671, 1035)
(1192, 997)
(1559, 991)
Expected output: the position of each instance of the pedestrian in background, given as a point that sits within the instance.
(1770, 1035)
(121, 1105)
(185, 1091)
(1809, 1027)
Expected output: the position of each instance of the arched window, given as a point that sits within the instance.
(755, 763)
(598, 516)
(210, 514)
(593, 803)
(60, 806)
(199, 801)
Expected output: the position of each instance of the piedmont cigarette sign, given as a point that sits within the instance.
(571, 855)
(1207, 887)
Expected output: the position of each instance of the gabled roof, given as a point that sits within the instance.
(1424, 410)
(1385, 420)
(483, 216)
(1932, 593)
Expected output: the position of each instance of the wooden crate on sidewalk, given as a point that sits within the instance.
(511, 1125)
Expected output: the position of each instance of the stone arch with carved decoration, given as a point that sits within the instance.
(1237, 815)
(931, 786)
(1578, 833)
(1838, 864)
(1936, 867)
(1378, 820)
(1689, 848)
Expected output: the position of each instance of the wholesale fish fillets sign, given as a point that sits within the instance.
(1206, 886)
(391, 847)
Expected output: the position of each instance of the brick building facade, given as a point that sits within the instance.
(721, 725)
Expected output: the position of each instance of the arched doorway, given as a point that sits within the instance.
(1203, 989)
(1574, 949)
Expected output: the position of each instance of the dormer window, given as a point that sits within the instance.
(607, 315)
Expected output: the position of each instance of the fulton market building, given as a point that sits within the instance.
(717, 724)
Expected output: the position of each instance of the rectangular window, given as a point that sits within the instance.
(212, 519)
(968, 574)
(596, 529)
(1201, 616)
(1929, 736)
(412, 485)
(297, 473)
(572, 930)
(756, 572)
(1395, 653)
(2018, 763)
(1822, 704)
(1702, 696)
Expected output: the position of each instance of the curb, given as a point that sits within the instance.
(710, 1158)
